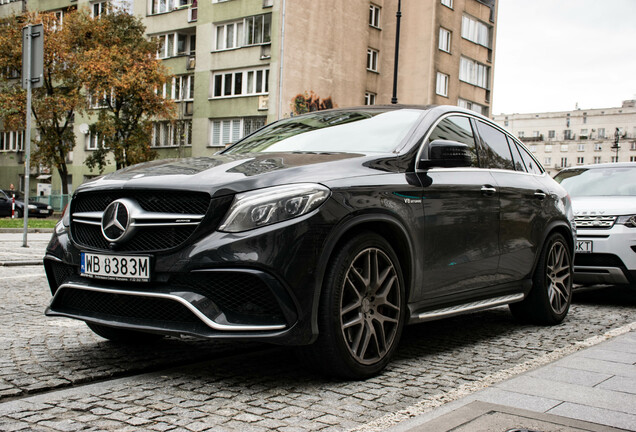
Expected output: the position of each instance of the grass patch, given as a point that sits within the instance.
(33, 223)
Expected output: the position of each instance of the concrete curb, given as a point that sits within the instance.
(30, 230)
(20, 263)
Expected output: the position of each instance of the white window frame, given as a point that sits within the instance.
(564, 148)
(564, 162)
(598, 147)
(374, 16)
(441, 86)
(580, 160)
(181, 88)
(547, 160)
(474, 73)
(597, 159)
(249, 82)
(169, 46)
(240, 36)
(481, 109)
(373, 57)
(548, 148)
(11, 141)
(476, 31)
(444, 40)
(369, 98)
(98, 8)
(580, 147)
(93, 141)
(221, 35)
(226, 131)
(447, 3)
(164, 134)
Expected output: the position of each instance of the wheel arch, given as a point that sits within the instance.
(560, 227)
(385, 225)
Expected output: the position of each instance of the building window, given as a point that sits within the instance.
(598, 147)
(481, 109)
(58, 21)
(372, 59)
(564, 148)
(93, 142)
(567, 134)
(97, 102)
(369, 98)
(564, 162)
(444, 39)
(583, 134)
(521, 134)
(614, 159)
(580, 147)
(258, 29)
(579, 160)
(547, 161)
(11, 141)
(632, 158)
(448, 3)
(551, 134)
(228, 131)
(180, 88)
(548, 148)
(98, 8)
(161, 6)
(473, 73)
(475, 31)
(172, 134)
(374, 16)
(533, 148)
(442, 84)
(601, 133)
(229, 35)
(597, 159)
(241, 83)
(632, 146)
(175, 44)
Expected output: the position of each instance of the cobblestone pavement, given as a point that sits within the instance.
(190, 385)
(11, 249)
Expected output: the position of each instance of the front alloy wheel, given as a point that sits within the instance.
(362, 309)
(370, 306)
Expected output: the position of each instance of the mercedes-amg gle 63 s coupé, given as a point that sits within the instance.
(329, 231)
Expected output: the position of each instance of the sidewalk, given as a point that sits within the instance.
(13, 254)
(591, 390)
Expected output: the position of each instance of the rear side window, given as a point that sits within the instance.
(523, 160)
(456, 128)
(496, 151)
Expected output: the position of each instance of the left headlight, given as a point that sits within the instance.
(33, 207)
(629, 221)
(268, 206)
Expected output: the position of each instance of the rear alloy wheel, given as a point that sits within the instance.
(122, 336)
(362, 309)
(549, 300)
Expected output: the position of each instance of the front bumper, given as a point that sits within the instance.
(613, 256)
(256, 285)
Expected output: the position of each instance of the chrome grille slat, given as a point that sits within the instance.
(595, 221)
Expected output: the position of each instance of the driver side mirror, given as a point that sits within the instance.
(447, 154)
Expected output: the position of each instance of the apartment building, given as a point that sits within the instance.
(578, 137)
(238, 64)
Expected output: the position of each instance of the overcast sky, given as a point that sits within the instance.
(553, 54)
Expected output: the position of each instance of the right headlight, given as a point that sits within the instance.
(271, 205)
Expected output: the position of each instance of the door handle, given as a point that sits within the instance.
(540, 195)
(488, 190)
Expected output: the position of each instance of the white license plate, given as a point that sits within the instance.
(44, 211)
(115, 267)
(584, 246)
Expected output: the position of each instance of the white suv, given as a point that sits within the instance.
(604, 204)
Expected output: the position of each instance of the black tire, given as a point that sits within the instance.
(549, 299)
(18, 214)
(123, 336)
(361, 315)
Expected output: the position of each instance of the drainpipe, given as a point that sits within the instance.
(282, 52)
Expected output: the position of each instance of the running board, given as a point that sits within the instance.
(463, 308)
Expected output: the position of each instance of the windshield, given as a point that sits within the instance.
(611, 181)
(333, 132)
(10, 193)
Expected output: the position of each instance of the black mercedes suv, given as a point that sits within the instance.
(328, 231)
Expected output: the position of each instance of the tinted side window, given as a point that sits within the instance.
(497, 152)
(456, 128)
(527, 160)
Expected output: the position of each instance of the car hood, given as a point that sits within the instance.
(228, 174)
(604, 205)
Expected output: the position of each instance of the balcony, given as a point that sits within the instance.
(532, 139)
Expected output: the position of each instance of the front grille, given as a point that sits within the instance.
(595, 221)
(122, 307)
(597, 260)
(236, 294)
(145, 238)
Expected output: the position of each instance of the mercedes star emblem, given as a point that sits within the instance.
(115, 221)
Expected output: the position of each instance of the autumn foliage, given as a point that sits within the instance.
(107, 58)
(309, 102)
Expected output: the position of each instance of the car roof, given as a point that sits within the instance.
(603, 165)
